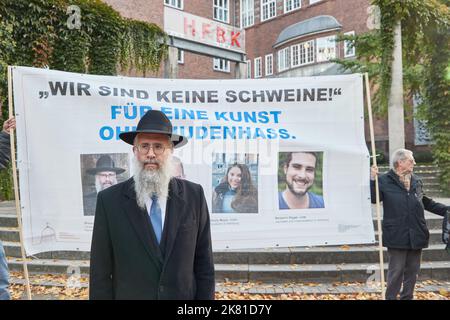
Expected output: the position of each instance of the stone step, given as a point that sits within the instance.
(433, 222)
(261, 272)
(435, 236)
(48, 265)
(8, 220)
(318, 273)
(296, 255)
(9, 234)
(12, 249)
(318, 255)
(434, 194)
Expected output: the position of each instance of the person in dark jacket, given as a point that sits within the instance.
(405, 231)
(152, 235)
(5, 155)
(446, 231)
(5, 148)
(236, 192)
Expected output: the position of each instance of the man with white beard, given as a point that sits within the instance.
(152, 237)
(105, 173)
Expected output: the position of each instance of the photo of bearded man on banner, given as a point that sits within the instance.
(300, 180)
(105, 174)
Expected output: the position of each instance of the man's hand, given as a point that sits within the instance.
(373, 172)
(9, 125)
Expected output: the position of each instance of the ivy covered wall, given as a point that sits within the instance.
(89, 38)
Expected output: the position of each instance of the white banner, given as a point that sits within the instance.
(283, 162)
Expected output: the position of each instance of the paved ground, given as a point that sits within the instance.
(61, 287)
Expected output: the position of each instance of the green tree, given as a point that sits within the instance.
(425, 45)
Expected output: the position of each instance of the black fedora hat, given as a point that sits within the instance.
(154, 121)
(105, 163)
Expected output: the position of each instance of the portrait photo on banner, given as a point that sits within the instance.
(234, 183)
(300, 180)
(101, 171)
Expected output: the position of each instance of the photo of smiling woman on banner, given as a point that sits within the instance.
(300, 180)
(234, 181)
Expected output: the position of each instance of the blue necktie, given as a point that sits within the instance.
(156, 218)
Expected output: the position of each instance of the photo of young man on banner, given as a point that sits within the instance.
(300, 180)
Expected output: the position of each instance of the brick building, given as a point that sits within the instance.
(260, 38)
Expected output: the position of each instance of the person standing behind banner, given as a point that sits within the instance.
(152, 235)
(405, 231)
(236, 192)
(5, 155)
(446, 231)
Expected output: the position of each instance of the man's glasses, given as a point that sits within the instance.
(144, 148)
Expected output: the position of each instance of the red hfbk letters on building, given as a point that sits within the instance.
(211, 32)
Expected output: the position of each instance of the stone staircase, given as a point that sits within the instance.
(279, 265)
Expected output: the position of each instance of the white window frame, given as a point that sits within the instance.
(221, 6)
(292, 4)
(305, 52)
(248, 13)
(258, 67)
(295, 55)
(222, 65)
(347, 44)
(178, 4)
(318, 48)
(284, 59)
(249, 69)
(268, 4)
(314, 1)
(269, 64)
(180, 57)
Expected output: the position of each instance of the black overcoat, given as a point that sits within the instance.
(127, 262)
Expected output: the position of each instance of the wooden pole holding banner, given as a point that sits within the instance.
(16, 187)
(377, 189)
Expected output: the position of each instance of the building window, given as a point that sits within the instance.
(302, 53)
(306, 52)
(180, 59)
(221, 10)
(249, 69)
(221, 65)
(295, 55)
(174, 3)
(284, 59)
(326, 48)
(314, 1)
(291, 5)
(349, 48)
(269, 64)
(258, 67)
(247, 13)
(269, 9)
